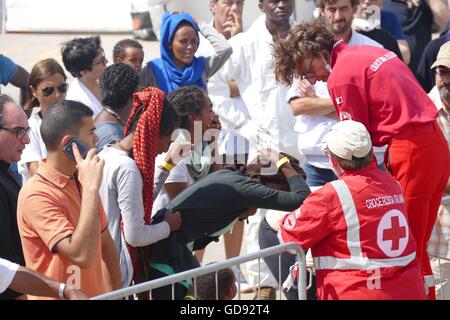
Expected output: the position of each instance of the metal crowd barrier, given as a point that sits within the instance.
(215, 267)
(445, 201)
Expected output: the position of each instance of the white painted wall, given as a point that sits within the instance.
(109, 15)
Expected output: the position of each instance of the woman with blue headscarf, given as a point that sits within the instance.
(178, 65)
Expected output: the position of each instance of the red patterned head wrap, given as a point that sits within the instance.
(147, 103)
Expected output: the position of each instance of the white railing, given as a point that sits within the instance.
(194, 273)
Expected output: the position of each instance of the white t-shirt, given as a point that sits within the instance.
(35, 150)
(79, 92)
(121, 195)
(269, 120)
(179, 173)
(7, 272)
(229, 141)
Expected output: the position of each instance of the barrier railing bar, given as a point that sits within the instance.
(146, 286)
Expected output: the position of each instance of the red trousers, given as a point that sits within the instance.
(421, 164)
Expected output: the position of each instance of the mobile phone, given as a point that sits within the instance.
(81, 147)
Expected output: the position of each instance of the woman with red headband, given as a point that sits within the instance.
(128, 187)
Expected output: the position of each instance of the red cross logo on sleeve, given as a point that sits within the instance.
(393, 233)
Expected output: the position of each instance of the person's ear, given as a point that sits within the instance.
(260, 6)
(65, 140)
(212, 7)
(33, 91)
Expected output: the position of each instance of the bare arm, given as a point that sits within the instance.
(80, 247)
(234, 89)
(441, 12)
(173, 189)
(404, 49)
(20, 80)
(312, 106)
(111, 260)
(35, 284)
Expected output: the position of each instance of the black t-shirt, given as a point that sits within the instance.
(10, 244)
(213, 203)
(416, 23)
(385, 39)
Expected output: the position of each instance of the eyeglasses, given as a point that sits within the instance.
(101, 60)
(443, 72)
(19, 131)
(48, 91)
(308, 74)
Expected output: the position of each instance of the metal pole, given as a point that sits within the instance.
(3, 16)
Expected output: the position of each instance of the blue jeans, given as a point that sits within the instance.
(317, 177)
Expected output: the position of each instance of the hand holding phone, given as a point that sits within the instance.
(82, 148)
(90, 167)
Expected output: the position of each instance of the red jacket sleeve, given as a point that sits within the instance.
(308, 224)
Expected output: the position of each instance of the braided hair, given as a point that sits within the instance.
(117, 84)
(187, 100)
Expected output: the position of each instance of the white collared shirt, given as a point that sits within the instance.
(79, 92)
(269, 119)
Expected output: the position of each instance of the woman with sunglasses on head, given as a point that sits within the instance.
(178, 66)
(46, 86)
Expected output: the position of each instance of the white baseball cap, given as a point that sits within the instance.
(348, 139)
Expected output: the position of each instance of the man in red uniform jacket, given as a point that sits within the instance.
(373, 86)
(356, 226)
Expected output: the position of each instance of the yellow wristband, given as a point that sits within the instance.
(167, 166)
(282, 161)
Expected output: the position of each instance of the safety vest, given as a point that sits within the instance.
(357, 261)
(394, 277)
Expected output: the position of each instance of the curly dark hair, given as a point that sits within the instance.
(305, 40)
(78, 54)
(206, 284)
(187, 100)
(118, 83)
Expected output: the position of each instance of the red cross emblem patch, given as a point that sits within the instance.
(393, 233)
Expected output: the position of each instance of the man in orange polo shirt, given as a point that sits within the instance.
(63, 227)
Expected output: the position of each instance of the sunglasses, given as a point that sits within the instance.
(48, 91)
(19, 131)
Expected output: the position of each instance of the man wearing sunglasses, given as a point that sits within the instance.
(13, 138)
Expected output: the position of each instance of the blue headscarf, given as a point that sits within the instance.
(168, 75)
